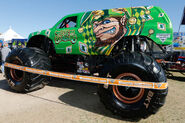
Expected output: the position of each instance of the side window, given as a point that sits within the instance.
(68, 22)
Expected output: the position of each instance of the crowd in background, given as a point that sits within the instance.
(4, 51)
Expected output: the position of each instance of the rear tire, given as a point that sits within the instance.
(21, 81)
(130, 102)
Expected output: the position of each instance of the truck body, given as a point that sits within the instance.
(96, 32)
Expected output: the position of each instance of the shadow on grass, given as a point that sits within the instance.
(4, 85)
(178, 78)
(183, 73)
(176, 75)
(84, 96)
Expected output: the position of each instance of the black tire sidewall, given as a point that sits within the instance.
(15, 55)
(148, 104)
(28, 58)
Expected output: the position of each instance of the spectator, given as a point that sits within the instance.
(1, 45)
(4, 53)
(0, 53)
(22, 46)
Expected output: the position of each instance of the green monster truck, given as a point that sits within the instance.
(114, 43)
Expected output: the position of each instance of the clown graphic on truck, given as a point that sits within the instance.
(118, 43)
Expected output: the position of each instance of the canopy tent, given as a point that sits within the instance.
(9, 35)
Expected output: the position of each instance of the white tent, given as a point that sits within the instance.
(9, 35)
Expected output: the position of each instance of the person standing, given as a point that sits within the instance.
(1, 46)
(4, 53)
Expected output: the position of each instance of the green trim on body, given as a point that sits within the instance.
(96, 32)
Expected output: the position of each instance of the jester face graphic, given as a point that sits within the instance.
(109, 30)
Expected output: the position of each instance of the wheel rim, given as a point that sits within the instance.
(16, 75)
(128, 95)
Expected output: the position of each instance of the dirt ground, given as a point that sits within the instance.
(64, 101)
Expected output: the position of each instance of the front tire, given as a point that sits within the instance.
(130, 102)
(21, 81)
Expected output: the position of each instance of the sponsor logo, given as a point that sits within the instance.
(69, 49)
(148, 99)
(65, 36)
(163, 36)
(161, 26)
(83, 48)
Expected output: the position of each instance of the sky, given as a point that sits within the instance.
(26, 16)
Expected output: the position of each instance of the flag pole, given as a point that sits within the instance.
(180, 22)
(179, 28)
(182, 18)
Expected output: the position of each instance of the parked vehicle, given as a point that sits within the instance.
(114, 43)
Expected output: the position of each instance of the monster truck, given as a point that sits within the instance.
(114, 43)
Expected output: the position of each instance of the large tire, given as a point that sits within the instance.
(21, 81)
(129, 102)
